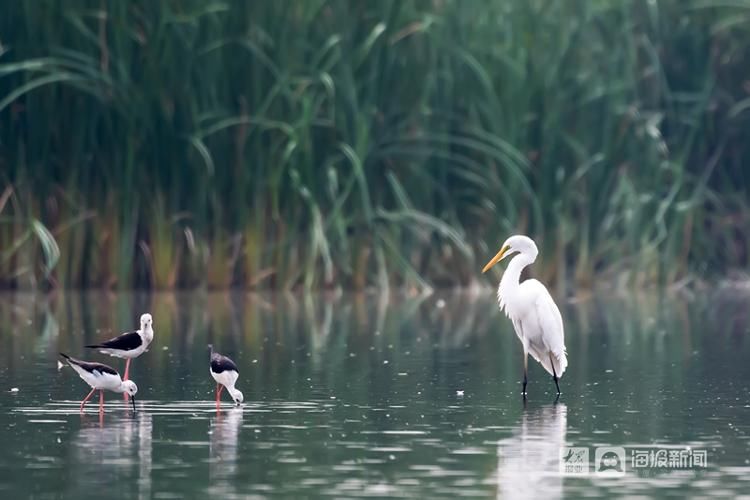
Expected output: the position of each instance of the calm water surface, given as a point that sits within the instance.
(373, 396)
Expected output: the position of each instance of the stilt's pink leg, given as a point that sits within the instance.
(101, 401)
(219, 388)
(83, 403)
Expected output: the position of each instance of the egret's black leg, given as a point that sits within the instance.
(554, 374)
(525, 371)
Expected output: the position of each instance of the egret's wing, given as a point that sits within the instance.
(518, 327)
(553, 334)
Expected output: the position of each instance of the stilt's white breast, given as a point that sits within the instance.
(226, 378)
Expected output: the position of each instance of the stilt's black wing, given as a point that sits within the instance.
(221, 364)
(125, 342)
(90, 367)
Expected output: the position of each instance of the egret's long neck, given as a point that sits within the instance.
(511, 279)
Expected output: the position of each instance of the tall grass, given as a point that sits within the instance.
(352, 143)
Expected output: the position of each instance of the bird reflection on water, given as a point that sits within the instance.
(225, 430)
(115, 449)
(528, 461)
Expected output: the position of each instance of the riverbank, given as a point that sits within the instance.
(275, 145)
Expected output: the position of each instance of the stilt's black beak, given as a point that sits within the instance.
(132, 399)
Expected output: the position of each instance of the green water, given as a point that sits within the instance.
(373, 396)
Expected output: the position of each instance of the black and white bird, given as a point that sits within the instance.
(225, 373)
(129, 345)
(101, 378)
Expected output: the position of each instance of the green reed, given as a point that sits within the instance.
(350, 143)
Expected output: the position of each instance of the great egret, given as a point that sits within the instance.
(530, 307)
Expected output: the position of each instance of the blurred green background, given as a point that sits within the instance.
(327, 143)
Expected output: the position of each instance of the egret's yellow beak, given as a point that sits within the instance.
(497, 258)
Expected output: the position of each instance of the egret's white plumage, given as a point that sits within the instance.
(535, 316)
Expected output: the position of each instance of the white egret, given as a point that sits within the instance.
(535, 316)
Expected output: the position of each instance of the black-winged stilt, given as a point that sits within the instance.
(101, 377)
(225, 373)
(129, 345)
